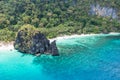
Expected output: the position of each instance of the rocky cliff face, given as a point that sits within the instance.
(34, 43)
(103, 11)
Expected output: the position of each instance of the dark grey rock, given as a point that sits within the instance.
(37, 44)
(53, 49)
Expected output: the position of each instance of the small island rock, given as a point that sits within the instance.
(31, 41)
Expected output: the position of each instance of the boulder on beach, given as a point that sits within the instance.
(31, 41)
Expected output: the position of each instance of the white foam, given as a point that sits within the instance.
(82, 35)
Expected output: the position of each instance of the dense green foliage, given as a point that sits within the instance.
(28, 31)
(55, 17)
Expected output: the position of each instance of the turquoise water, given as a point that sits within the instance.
(83, 58)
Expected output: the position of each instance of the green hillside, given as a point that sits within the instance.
(57, 17)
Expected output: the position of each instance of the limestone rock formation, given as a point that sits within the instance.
(31, 41)
(53, 49)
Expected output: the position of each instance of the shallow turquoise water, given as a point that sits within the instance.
(82, 58)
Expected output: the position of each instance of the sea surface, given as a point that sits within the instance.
(95, 57)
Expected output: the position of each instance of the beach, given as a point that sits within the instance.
(81, 35)
(70, 36)
(6, 45)
(9, 45)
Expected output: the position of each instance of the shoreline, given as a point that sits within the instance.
(80, 35)
(9, 45)
(6, 46)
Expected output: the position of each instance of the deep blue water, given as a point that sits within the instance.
(83, 58)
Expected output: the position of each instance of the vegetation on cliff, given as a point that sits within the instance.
(24, 37)
(54, 18)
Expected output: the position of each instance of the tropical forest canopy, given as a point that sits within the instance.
(59, 17)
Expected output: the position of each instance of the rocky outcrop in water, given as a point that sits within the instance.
(30, 41)
(53, 49)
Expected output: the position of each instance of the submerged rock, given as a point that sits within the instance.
(31, 41)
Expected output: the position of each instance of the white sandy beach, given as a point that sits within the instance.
(9, 45)
(70, 36)
(6, 46)
(82, 35)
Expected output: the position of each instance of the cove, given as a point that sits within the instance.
(95, 57)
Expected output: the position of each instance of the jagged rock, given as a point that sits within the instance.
(53, 49)
(30, 41)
